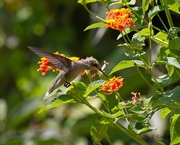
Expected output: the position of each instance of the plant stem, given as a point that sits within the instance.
(128, 132)
(167, 14)
(151, 73)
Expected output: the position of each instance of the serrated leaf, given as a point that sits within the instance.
(164, 113)
(63, 99)
(169, 99)
(155, 10)
(95, 25)
(126, 64)
(92, 86)
(175, 129)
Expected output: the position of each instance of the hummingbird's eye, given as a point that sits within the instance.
(95, 64)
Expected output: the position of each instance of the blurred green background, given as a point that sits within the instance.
(56, 25)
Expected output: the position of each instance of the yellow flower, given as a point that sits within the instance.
(119, 19)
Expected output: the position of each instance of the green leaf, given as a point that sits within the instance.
(164, 112)
(145, 32)
(159, 143)
(174, 44)
(155, 10)
(164, 80)
(84, 2)
(174, 5)
(142, 127)
(92, 86)
(113, 116)
(95, 25)
(126, 64)
(56, 102)
(137, 41)
(138, 108)
(136, 117)
(169, 99)
(161, 39)
(170, 61)
(163, 53)
(175, 129)
(131, 2)
(145, 5)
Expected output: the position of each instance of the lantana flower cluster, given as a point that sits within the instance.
(112, 85)
(119, 19)
(45, 66)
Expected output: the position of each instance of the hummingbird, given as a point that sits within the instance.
(70, 69)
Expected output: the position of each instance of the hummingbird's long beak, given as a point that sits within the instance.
(104, 73)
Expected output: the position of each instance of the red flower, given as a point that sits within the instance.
(43, 66)
(112, 85)
(119, 19)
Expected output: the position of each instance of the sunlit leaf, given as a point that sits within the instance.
(175, 129)
(95, 25)
(174, 5)
(84, 2)
(126, 64)
(161, 39)
(63, 99)
(92, 86)
(145, 5)
(145, 32)
(164, 113)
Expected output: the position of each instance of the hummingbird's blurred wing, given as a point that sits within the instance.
(56, 61)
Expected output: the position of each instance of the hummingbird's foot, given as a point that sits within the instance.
(66, 84)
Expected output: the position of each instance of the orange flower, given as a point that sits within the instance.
(112, 85)
(44, 64)
(119, 19)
